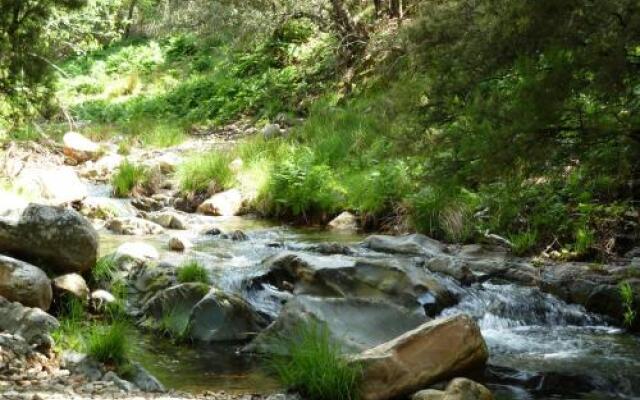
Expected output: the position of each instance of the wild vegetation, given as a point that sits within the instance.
(313, 364)
(531, 134)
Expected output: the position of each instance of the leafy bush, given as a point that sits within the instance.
(314, 365)
(199, 172)
(192, 271)
(128, 177)
(108, 344)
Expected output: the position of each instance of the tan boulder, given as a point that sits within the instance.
(457, 389)
(423, 356)
(73, 284)
(225, 204)
(345, 222)
(79, 148)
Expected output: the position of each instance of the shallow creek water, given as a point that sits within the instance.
(525, 329)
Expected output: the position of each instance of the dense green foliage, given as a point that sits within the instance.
(314, 365)
(470, 119)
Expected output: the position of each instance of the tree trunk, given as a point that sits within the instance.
(132, 7)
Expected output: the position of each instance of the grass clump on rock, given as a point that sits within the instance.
(127, 178)
(313, 365)
(192, 271)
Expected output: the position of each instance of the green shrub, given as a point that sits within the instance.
(108, 344)
(198, 172)
(314, 365)
(128, 177)
(192, 271)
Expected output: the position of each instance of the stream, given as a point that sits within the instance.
(540, 347)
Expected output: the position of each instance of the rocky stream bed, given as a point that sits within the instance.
(552, 330)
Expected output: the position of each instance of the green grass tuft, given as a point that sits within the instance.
(314, 365)
(127, 178)
(108, 344)
(193, 271)
(104, 271)
(522, 243)
(199, 172)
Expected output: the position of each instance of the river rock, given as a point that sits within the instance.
(32, 324)
(174, 303)
(137, 253)
(126, 386)
(106, 208)
(134, 226)
(61, 238)
(337, 276)
(73, 284)
(80, 149)
(356, 324)
(24, 283)
(103, 168)
(222, 317)
(415, 244)
(271, 131)
(179, 244)
(457, 389)
(100, 299)
(82, 364)
(420, 357)
(167, 219)
(54, 186)
(345, 222)
(144, 380)
(224, 204)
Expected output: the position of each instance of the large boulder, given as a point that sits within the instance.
(170, 309)
(224, 204)
(338, 276)
(356, 324)
(60, 238)
(24, 283)
(414, 244)
(79, 148)
(32, 324)
(221, 316)
(421, 357)
(55, 186)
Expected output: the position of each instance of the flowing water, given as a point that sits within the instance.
(549, 349)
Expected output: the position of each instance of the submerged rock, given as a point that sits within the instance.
(61, 238)
(356, 324)
(224, 204)
(24, 283)
(179, 244)
(221, 316)
(423, 356)
(32, 324)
